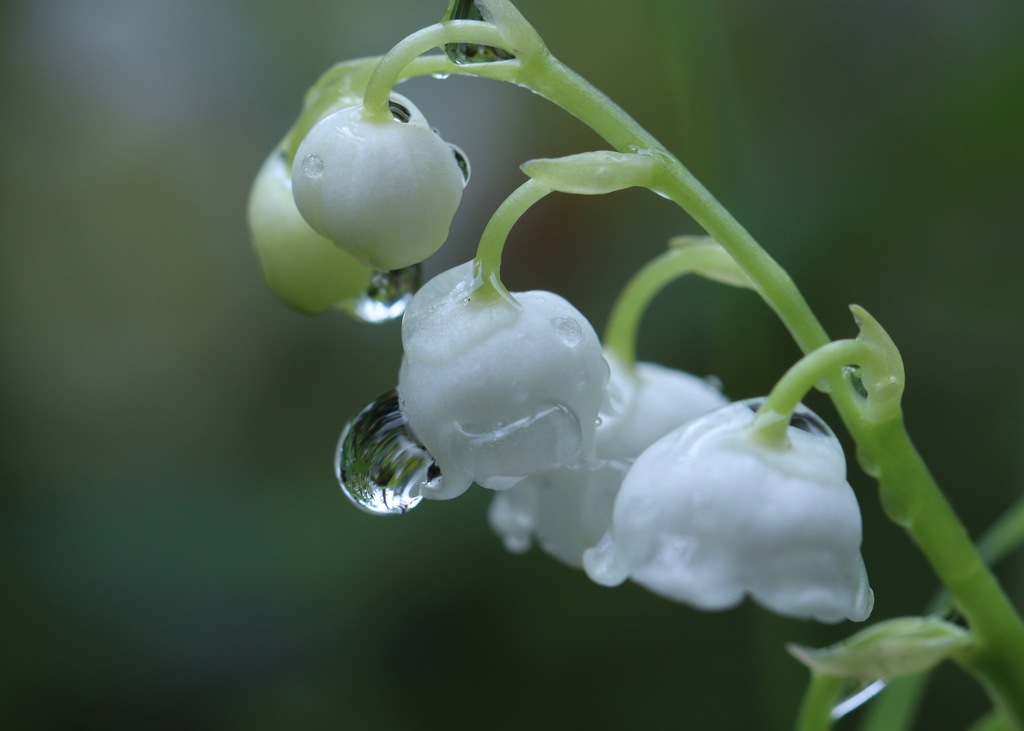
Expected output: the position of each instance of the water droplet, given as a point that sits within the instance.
(463, 162)
(399, 111)
(568, 330)
(855, 695)
(312, 166)
(500, 455)
(387, 295)
(380, 465)
(463, 53)
(803, 418)
(853, 376)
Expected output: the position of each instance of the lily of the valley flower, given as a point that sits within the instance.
(384, 190)
(648, 402)
(499, 390)
(568, 510)
(708, 514)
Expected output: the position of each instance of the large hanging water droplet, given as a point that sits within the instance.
(463, 53)
(380, 465)
(387, 295)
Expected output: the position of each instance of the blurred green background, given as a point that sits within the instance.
(176, 553)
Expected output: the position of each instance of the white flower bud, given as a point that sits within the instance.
(650, 402)
(707, 514)
(496, 390)
(305, 270)
(384, 190)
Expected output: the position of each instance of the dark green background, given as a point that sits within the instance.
(175, 551)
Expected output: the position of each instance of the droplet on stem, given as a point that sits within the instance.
(464, 53)
(381, 467)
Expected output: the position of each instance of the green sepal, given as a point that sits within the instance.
(882, 376)
(598, 172)
(887, 650)
(340, 86)
(711, 261)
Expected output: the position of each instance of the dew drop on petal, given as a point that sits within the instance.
(380, 465)
(312, 166)
(569, 331)
(387, 295)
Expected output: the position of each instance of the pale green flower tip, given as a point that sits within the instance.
(706, 516)
(888, 650)
(302, 268)
(384, 191)
(498, 391)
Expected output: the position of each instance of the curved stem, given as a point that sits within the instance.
(909, 493)
(487, 266)
(620, 335)
(389, 70)
(816, 707)
(773, 416)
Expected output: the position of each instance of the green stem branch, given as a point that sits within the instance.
(819, 698)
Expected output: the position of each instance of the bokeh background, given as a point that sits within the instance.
(175, 551)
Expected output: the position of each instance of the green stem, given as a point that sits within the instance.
(816, 707)
(912, 499)
(487, 266)
(620, 335)
(389, 70)
(896, 708)
(772, 421)
(909, 492)
(932, 524)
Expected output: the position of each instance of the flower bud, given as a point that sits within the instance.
(304, 270)
(499, 390)
(383, 190)
(708, 514)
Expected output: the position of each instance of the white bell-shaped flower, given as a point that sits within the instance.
(566, 510)
(707, 514)
(384, 190)
(648, 402)
(305, 270)
(498, 390)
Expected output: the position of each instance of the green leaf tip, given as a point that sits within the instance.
(887, 650)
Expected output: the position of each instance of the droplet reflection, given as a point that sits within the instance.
(803, 418)
(387, 295)
(463, 53)
(380, 465)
